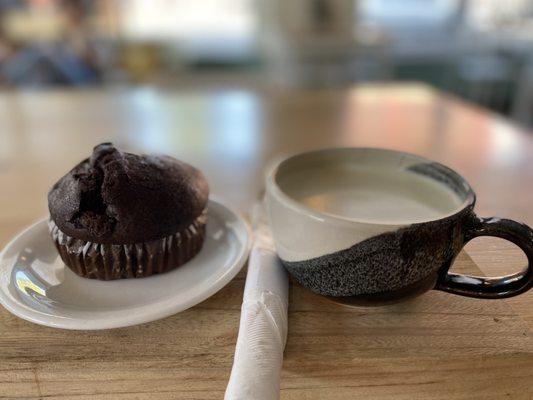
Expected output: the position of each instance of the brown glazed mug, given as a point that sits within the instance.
(372, 225)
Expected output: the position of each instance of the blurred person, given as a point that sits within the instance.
(66, 57)
(77, 36)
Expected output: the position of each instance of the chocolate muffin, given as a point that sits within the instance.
(120, 215)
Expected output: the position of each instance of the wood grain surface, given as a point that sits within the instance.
(437, 346)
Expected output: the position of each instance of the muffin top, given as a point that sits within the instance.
(122, 198)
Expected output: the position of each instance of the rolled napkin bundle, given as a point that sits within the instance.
(262, 332)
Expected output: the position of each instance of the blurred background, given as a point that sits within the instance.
(480, 50)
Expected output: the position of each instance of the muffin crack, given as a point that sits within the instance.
(94, 213)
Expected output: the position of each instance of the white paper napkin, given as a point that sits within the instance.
(262, 332)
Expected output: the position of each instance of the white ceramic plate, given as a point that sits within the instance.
(37, 286)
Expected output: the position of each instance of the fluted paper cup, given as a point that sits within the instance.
(137, 260)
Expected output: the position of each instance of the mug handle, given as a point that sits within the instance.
(496, 287)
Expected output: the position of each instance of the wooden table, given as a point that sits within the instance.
(409, 351)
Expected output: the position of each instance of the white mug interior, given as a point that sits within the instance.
(328, 200)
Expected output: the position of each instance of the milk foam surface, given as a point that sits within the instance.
(372, 195)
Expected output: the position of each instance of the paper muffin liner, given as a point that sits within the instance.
(119, 261)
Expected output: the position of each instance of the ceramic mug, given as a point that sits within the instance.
(375, 225)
